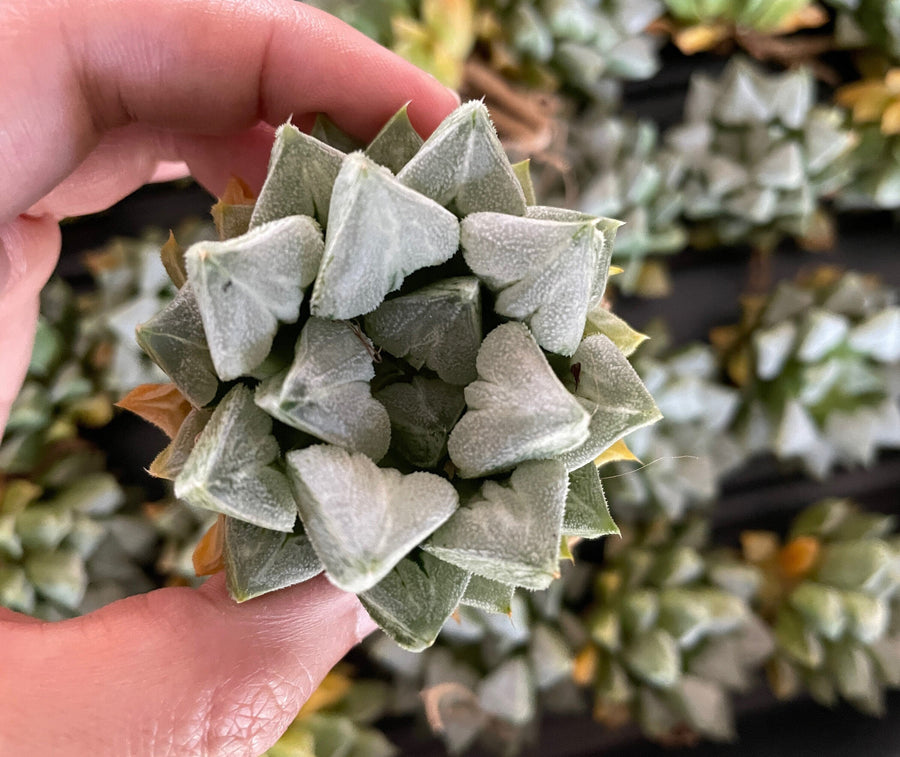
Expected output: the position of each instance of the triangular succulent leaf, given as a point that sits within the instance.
(397, 142)
(587, 514)
(488, 595)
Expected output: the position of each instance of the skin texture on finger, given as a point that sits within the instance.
(29, 248)
(173, 672)
(210, 67)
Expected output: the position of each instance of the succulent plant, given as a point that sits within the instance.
(817, 364)
(384, 421)
(760, 156)
(590, 46)
(337, 720)
(621, 172)
(875, 106)
(868, 24)
(832, 592)
(68, 543)
(671, 634)
(489, 675)
(690, 450)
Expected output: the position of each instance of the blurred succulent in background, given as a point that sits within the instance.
(817, 363)
(671, 634)
(283, 404)
(832, 593)
(621, 172)
(698, 25)
(691, 450)
(68, 543)
(336, 720)
(760, 157)
(868, 24)
(489, 676)
(874, 103)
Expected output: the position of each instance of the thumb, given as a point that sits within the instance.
(176, 671)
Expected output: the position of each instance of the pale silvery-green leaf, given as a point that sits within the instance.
(614, 395)
(438, 326)
(59, 575)
(796, 640)
(550, 657)
(246, 285)
(587, 513)
(488, 595)
(413, 601)
(548, 273)
(174, 339)
(169, 463)
(326, 391)
(879, 336)
(258, 560)
(706, 707)
(509, 532)
(229, 470)
(602, 321)
(422, 415)
(822, 608)
(653, 657)
(463, 163)
(16, 593)
(327, 131)
(522, 170)
(363, 519)
(379, 232)
(517, 409)
(857, 564)
(508, 692)
(394, 146)
(867, 617)
(773, 347)
(301, 174)
(855, 673)
(43, 526)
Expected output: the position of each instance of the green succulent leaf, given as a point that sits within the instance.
(548, 273)
(517, 409)
(868, 617)
(509, 532)
(857, 564)
(302, 171)
(602, 321)
(170, 462)
(229, 470)
(413, 601)
(246, 285)
(327, 131)
(798, 641)
(653, 657)
(522, 170)
(488, 595)
(508, 692)
(258, 560)
(614, 395)
(396, 143)
(821, 607)
(325, 392)
(706, 707)
(464, 165)
(379, 232)
(59, 575)
(362, 519)
(422, 415)
(438, 326)
(175, 340)
(587, 513)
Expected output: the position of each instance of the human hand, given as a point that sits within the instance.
(95, 95)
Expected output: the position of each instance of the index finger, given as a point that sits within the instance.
(77, 70)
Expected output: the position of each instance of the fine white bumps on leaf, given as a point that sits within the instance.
(362, 519)
(549, 270)
(517, 409)
(612, 392)
(488, 595)
(174, 339)
(246, 285)
(258, 560)
(301, 174)
(587, 514)
(379, 232)
(414, 600)
(422, 415)
(396, 143)
(463, 163)
(229, 469)
(438, 326)
(509, 532)
(325, 392)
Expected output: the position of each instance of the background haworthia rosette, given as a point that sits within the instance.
(246, 285)
(379, 232)
(363, 519)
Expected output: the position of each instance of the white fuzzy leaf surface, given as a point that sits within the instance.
(587, 514)
(362, 519)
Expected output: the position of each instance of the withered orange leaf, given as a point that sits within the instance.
(209, 555)
(160, 404)
(172, 256)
